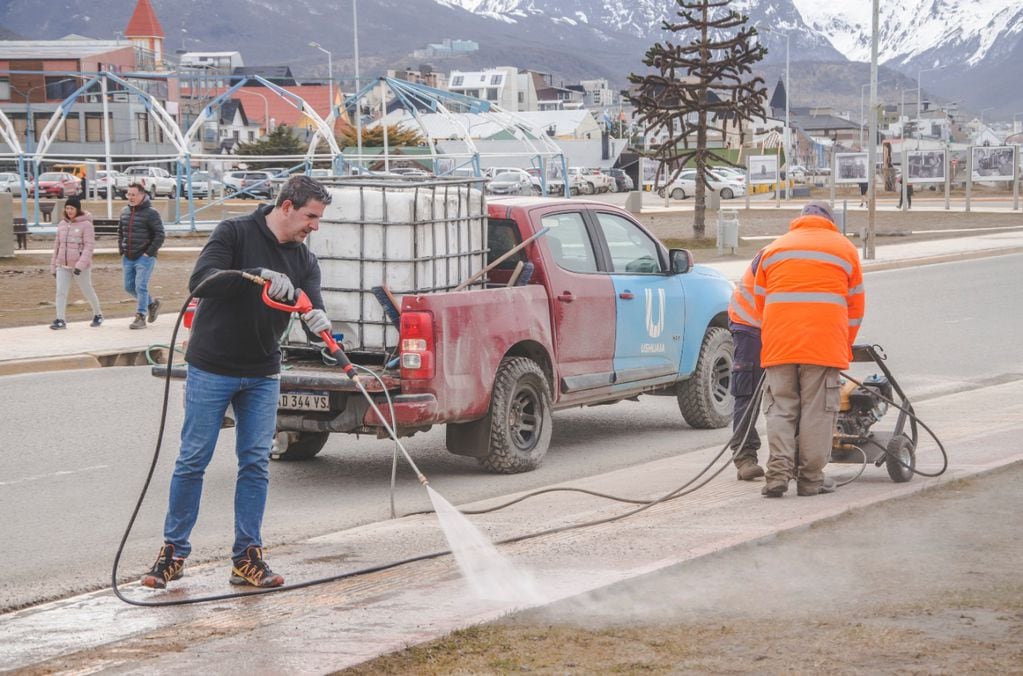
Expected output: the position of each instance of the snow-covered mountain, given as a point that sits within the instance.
(977, 43)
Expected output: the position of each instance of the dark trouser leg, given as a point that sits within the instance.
(746, 373)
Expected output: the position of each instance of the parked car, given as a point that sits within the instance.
(157, 182)
(114, 181)
(203, 185)
(685, 185)
(56, 184)
(796, 172)
(509, 183)
(623, 181)
(523, 174)
(257, 184)
(600, 181)
(576, 184)
(10, 182)
(731, 172)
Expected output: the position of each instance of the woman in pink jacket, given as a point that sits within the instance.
(72, 258)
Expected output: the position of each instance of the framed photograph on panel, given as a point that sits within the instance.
(992, 163)
(763, 169)
(926, 166)
(850, 167)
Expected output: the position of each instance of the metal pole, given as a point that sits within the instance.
(969, 177)
(106, 147)
(948, 177)
(788, 95)
(904, 198)
(330, 81)
(869, 250)
(1015, 178)
(358, 82)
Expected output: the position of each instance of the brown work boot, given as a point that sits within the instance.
(806, 490)
(748, 469)
(775, 488)
(139, 323)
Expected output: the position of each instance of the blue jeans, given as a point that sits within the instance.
(207, 396)
(136, 279)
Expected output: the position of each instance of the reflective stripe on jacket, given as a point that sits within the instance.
(742, 308)
(809, 291)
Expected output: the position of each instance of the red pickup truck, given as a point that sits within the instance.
(607, 314)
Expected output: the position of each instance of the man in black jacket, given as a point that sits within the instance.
(234, 358)
(139, 236)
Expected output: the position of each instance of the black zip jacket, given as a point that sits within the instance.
(139, 231)
(234, 333)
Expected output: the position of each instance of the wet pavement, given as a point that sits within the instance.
(338, 624)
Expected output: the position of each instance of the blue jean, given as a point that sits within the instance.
(207, 396)
(136, 279)
(746, 373)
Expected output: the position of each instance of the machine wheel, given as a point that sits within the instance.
(520, 418)
(727, 194)
(297, 445)
(705, 399)
(900, 452)
(678, 194)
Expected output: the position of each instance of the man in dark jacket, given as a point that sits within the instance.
(234, 359)
(139, 236)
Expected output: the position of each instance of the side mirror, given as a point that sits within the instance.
(681, 261)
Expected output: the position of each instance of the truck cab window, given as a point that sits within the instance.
(569, 242)
(502, 236)
(632, 250)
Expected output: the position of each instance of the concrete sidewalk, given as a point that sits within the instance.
(342, 623)
(36, 348)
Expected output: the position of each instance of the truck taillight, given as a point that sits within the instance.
(416, 345)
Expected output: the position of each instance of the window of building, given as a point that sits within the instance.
(142, 127)
(71, 128)
(496, 79)
(5, 89)
(94, 127)
(59, 88)
(522, 97)
(491, 93)
(237, 136)
(20, 123)
(252, 136)
(457, 81)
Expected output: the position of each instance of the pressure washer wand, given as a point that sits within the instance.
(302, 305)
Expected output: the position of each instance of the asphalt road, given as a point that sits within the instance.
(77, 445)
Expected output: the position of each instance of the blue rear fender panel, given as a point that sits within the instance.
(707, 293)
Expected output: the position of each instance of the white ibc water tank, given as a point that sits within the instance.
(412, 237)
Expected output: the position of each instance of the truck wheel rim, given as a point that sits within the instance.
(524, 418)
(721, 380)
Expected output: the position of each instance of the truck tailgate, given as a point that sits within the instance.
(474, 330)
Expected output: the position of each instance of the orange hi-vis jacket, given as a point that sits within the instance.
(742, 308)
(809, 291)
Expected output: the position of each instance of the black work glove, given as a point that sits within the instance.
(281, 288)
(77, 271)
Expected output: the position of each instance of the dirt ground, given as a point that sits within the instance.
(924, 585)
(27, 289)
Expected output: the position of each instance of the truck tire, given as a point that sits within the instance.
(704, 399)
(297, 445)
(520, 418)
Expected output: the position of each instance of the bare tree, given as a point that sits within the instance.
(700, 85)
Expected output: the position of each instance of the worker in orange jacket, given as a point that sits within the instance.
(809, 291)
(744, 323)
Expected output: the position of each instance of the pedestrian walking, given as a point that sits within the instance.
(72, 259)
(139, 237)
(744, 323)
(908, 193)
(234, 359)
(863, 193)
(809, 291)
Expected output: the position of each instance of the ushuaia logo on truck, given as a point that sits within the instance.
(654, 330)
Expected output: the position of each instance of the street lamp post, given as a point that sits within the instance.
(788, 94)
(330, 72)
(266, 108)
(1014, 116)
(358, 83)
(902, 110)
(920, 72)
(982, 114)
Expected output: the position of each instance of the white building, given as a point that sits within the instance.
(505, 86)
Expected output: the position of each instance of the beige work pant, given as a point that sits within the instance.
(800, 405)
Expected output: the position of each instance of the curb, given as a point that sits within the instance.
(90, 360)
(940, 258)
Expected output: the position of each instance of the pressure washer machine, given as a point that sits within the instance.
(862, 405)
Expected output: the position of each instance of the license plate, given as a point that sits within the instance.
(304, 401)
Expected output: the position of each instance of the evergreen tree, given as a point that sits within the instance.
(278, 142)
(373, 137)
(701, 84)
